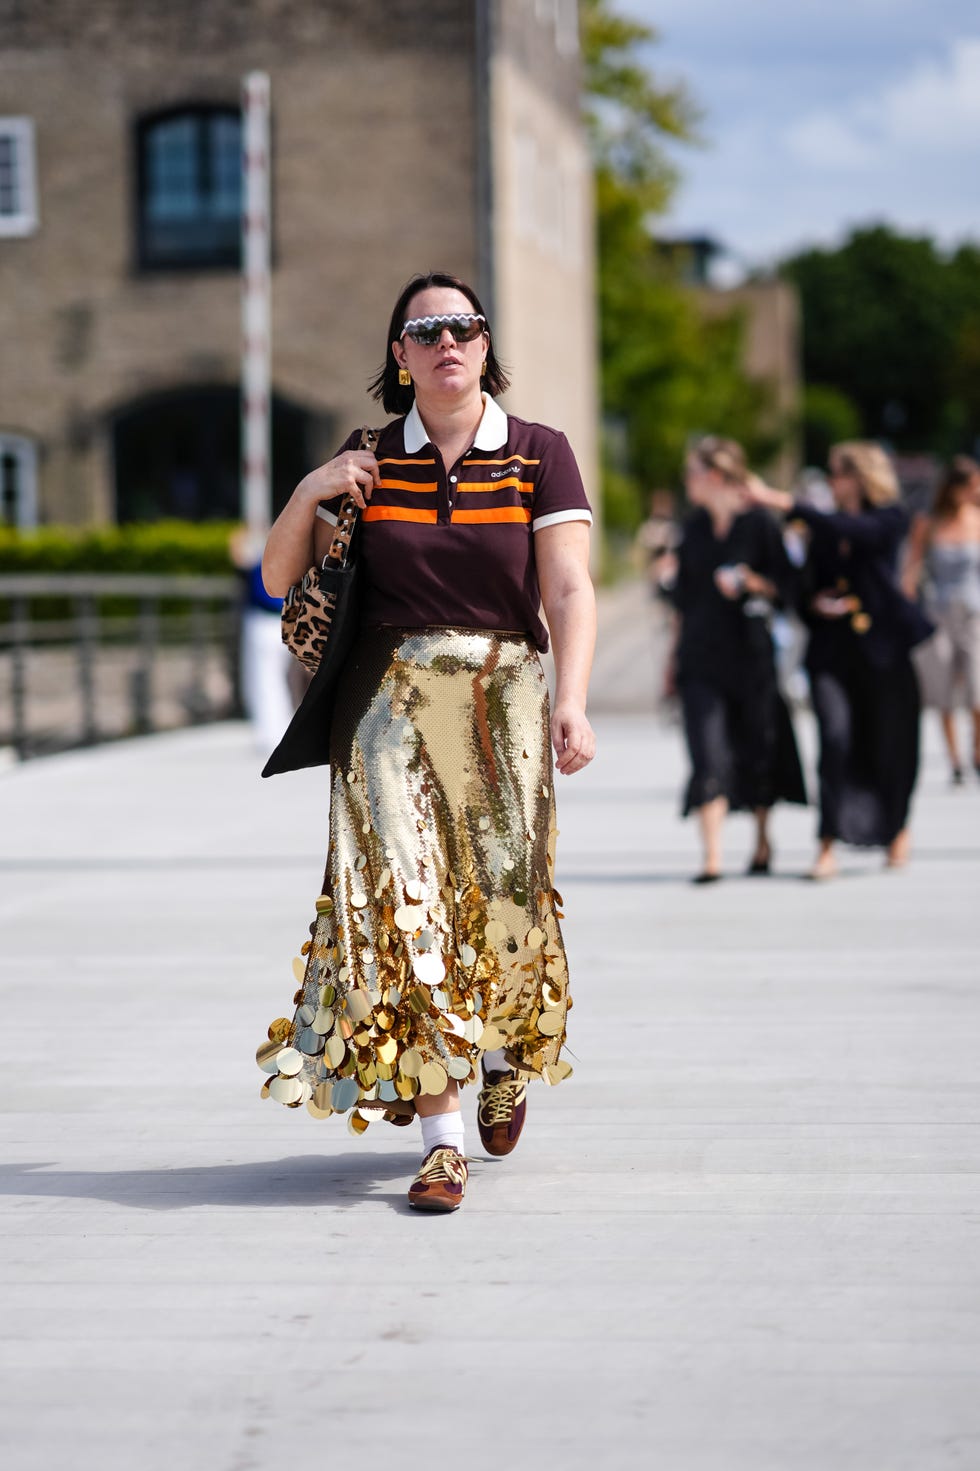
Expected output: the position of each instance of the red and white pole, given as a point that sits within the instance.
(256, 478)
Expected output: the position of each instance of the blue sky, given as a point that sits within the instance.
(823, 114)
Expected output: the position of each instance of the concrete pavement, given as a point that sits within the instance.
(744, 1235)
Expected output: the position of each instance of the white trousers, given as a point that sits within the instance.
(265, 671)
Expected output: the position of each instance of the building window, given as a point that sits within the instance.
(18, 177)
(190, 188)
(178, 454)
(18, 481)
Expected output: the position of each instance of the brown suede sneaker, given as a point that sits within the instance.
(441, 1181)
(501, 1112)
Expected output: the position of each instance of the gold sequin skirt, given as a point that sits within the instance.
(437, 933)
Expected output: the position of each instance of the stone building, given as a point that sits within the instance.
(405, 137)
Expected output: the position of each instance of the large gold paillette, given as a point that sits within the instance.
(437, 933)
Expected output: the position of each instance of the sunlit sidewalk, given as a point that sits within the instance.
(741, 1236)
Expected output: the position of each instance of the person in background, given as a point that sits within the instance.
(863, 686)
(730, 569)
(657, 537)
(943, 563)
(265, 661)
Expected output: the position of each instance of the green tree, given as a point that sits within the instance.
(667, 369)
(628, 114)
(893, 324)
(961, 412)
(829, 417)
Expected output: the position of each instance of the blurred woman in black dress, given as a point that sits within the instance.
(730, 568)
(863, 686)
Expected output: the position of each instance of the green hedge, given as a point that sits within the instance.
(158, 546)
(155, 548)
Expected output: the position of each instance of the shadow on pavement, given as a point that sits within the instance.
(302, 1180)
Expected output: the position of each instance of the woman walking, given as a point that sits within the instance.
(864, 690)
(944, 558)
(437, 955)
(730, 569)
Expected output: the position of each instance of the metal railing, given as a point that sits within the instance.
(134, 654)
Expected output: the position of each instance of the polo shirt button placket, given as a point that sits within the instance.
(452, 480)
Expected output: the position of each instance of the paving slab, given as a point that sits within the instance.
(743, 1235)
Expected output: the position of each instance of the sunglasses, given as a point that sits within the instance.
(427, 331)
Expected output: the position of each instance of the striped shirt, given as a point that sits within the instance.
(455, 546)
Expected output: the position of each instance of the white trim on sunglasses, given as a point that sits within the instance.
(437, 324)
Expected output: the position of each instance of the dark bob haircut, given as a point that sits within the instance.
(397, 399)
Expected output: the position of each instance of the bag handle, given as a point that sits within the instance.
(347, 514)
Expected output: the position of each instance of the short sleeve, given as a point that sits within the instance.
(559, 494)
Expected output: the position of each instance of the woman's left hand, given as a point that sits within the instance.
(573, 739)
(730, 581)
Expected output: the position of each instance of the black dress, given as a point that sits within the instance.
(738, 729)
(863, 686)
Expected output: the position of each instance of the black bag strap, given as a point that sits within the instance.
(347, 514)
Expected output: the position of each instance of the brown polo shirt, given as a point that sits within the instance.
(455, 545)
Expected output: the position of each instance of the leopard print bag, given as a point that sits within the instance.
(309, 609)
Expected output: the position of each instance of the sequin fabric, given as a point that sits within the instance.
(437, 933)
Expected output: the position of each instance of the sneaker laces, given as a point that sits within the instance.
(498, 1101)
(444, 1164)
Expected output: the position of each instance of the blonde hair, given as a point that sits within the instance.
(871, 468)
(725, 456)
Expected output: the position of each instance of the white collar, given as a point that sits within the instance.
(491, 433)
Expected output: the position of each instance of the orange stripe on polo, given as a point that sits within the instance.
(399, 513)
(511, 483)
(500, 513)
(477, 566)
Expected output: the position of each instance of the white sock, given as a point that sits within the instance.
(496, 1062)
(443, 1128)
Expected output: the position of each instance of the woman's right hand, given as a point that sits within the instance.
(355, 473)
(299, 535)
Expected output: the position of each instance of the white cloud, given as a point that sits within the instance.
(827, 141)
(843, 140)
(936, 107)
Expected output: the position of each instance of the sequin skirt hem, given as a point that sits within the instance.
(437, 934)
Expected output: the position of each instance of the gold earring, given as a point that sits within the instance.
(404, 377)
(483, 370)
